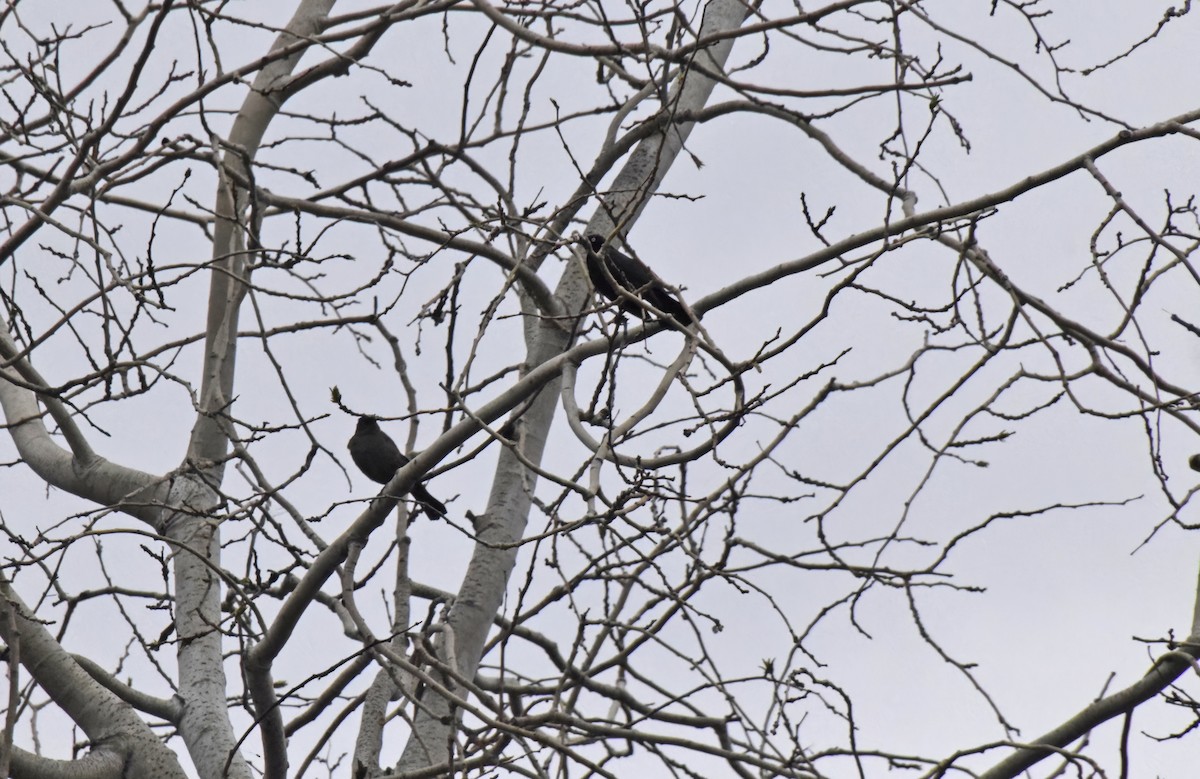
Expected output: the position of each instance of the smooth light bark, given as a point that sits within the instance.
(206, 727)
(502, 526)
(110, 723)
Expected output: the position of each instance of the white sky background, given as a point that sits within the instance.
(1066, 590)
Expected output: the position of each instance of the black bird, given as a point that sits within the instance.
(378, 457)
(610, 271)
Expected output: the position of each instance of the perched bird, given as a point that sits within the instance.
(378, 457)
(613, 273)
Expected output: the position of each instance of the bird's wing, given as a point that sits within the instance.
(633, 274)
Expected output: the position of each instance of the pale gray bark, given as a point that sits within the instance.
(206, 727)
(503, 525)
(109, 722)
(388, 682)
(180, 506)
(100, 763)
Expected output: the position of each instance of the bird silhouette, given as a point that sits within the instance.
(625, 280)
(378, 457)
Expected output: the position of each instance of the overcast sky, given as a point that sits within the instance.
(1068, 593)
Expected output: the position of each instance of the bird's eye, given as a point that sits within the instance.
(596, 242)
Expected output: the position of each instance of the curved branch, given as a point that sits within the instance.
(169, 709)
(79, 471)
(102, 715)
(502, 527)
(1165, 670)
(101, 763)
